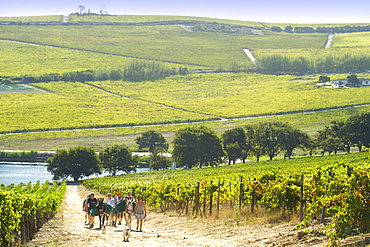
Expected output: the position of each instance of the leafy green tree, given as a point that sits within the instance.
(288, 29)
(159, 161)
(235, 144)
(255, 138)
(292, 138)
(118, 158)
(152, 140)
(328, 141)
(353, 81)
(276, 29)
(197, 145)
(75, 162)
(324, 78)
(358, 128)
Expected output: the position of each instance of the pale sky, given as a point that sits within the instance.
(275, 11)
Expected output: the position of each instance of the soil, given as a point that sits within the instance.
(67, 228)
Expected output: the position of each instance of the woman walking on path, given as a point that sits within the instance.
(140, 213)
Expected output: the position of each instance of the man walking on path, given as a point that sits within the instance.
(91, 203)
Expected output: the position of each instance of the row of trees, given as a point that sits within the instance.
(200, 145)
(80, 161)
(286, 64)
(342, 29)
(134, 71)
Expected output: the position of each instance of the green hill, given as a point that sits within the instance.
(46, 47)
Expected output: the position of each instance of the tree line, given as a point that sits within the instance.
(201, 146)
(134, 71)
(340, 29)
(324, 64)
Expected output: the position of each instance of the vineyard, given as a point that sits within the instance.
(191, 97)
(329, 191)
(25, 208)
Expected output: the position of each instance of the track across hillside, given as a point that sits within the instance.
(190, 122)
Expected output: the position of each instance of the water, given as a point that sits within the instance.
(17, 173)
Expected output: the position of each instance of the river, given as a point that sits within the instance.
(16, 173)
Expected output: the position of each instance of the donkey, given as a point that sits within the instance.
(102, 209)
(128, 212)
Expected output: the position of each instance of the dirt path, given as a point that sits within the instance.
(68, 229)
(330, 41)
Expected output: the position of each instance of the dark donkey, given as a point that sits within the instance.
(102, 210)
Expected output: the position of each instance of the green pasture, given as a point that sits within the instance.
(229, 95)
(313, 25)
(154, 18)
(68, 105)
(46, 18)
(352, 40)
(168, 43)
(312, 54)
(75, 105)
(26, 59)
(102, 138)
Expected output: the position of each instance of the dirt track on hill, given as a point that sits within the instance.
(68, 229)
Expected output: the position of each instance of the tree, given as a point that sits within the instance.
(276, 29)
(118, 158)
(324, 78)
(235, 144)
(255, 140)
(288, 29)
(75, 162)
(152, 140)
(81, 9)
(197, 145)
(353, 81)
(159, 161)
(292, 138)
(358, 129)
(328, 141)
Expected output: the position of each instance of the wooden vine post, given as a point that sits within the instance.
(218, 198)
(197, 199)
(301, 200)
(211, 199)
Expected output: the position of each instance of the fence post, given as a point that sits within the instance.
(218, 198)
(197, 199)
(204, 202)
(301, 204)
(211, 200)
(241, 192)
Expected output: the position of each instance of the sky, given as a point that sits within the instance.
(272, 11)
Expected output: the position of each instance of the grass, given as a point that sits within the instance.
(352, 40)
(169, 43)
(102, 138)
(154, 18)
(46, 18)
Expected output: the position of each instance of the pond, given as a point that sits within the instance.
(19, 173)
(16, 173)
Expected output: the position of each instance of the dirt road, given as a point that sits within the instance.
(68, 229)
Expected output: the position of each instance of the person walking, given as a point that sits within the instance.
(140, 212)
(110, 200)
(85, 209)
(91, 203)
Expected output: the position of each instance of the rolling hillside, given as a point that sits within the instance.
(39, 46)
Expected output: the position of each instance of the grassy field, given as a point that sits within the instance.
(244, 94)
(102, 138)
(169, 43)
(26, 59)
(352, 40)
(47, 18)
(174, 99)
(154, 18)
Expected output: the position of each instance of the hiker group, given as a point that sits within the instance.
(114, 209)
